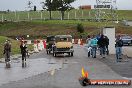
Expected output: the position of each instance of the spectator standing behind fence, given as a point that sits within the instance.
(93, 44)
(118, 46)
(102, 42)
(7, 51)
(23, 48)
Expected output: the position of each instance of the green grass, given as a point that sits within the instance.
(80, 14)
(125, 14)
(15, 46)
(44, 28)
(40, 29)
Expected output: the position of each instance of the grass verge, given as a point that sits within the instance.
(15, 46)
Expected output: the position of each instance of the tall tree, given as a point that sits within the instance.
(63, 5)
(29, 5)
(49, 5)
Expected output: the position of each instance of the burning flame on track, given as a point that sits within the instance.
(84, 73)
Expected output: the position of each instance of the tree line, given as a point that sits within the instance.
(52, 5)
(57, 5)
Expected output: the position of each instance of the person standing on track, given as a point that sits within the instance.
(88, 42)
(7, 51)
(107, 44)
(23, 48)
(93, 44)
(118, 46)
(102, 43)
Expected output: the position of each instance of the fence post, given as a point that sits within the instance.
(31, 18)
(41, 15)
(68, 15)
(15, 16)
(75, 15)
(59, 16)
(28, 15)
(51, 15)
(82, 13)
(89, 14)
(2, 18)
(18, 17)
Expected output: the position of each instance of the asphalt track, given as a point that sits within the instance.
(46, 71)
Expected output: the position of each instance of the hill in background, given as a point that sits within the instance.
(41, 29)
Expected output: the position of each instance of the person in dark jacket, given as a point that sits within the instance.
(107, 44)
(7, 51)
(23, 48)
(102, 42)
(118, 46)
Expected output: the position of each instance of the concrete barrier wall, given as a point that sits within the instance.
(110, 33)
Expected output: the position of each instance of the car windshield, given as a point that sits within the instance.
(50, 39)
(63, 39)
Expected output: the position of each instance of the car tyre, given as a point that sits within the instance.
(69, 54)
(55, 54)
(47, 52)
(72, 54)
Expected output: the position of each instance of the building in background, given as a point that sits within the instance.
(87, 7)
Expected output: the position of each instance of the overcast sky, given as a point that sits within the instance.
(22, 4)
